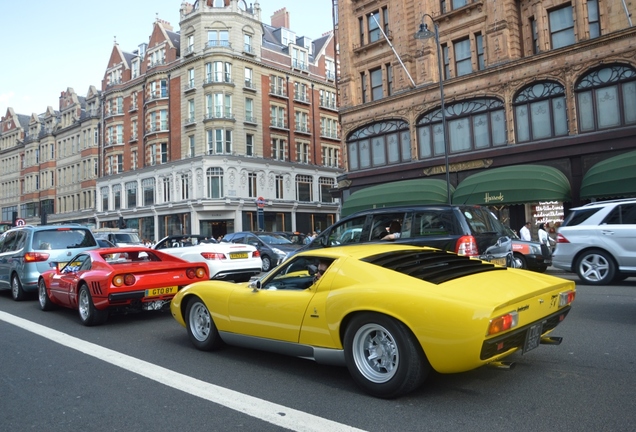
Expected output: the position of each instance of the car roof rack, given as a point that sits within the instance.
(618, 200)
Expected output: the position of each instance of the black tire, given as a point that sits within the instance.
(200, 326)
(521, 260)
(89, 315)
(17, 292)
(43, 297)
(267, 263)
(383, 356)
(595, 267)
(620, 277)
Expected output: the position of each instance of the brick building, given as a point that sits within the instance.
(49, 161)
(535, 85)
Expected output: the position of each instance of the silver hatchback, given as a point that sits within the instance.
(28, 251)
(598, 242)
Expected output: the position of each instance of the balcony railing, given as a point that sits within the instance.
(298, 64)
(278, 124)
(277, 91)
(248, 49)
(250, 119)
(329, 133)
(300, 97)
(189, 50)
(189, 87)
(219, 44)
(217, 115)
(250, 85)
(302, 128)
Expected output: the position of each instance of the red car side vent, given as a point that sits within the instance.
(96, 288)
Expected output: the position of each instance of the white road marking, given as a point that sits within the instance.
(263, 410)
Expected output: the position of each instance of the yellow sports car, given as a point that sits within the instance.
(389, 313)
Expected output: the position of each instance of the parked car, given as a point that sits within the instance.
(389, 312)
(27, 251)
(119, 237)
(104, 243)
(464, 229)
(274, 248)
(530, 255)
(237, 262)
(98, 281)
(598, 242)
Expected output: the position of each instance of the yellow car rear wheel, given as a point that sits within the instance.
(383, 356)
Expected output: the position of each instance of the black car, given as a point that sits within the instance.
(295, 237)
(464, 229)
(273, 247)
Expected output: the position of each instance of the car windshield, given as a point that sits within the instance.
(63, 238)
(274, 239)
(127, 238)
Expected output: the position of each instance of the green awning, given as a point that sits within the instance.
(517, 184)
(399, 193)
(611, 178)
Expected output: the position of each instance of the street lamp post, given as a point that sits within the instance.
(425, 33)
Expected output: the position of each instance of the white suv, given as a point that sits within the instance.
(598, 242)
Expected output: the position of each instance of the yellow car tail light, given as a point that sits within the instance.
(200, 272)
(118, 280)
(503, 323)
(566, 297)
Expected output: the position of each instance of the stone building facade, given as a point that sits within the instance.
(549, 83)
(200, 124)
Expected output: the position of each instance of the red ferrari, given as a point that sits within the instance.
(100, 280)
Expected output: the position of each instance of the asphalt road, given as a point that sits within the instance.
(588, 383)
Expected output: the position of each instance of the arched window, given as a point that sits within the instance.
(606, 98)
(540, 112)
(472, 125)
(214, 177)
(379, 144)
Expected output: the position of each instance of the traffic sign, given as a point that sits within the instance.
(20, 222)
(260, 202)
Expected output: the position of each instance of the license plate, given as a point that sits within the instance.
(499, 261)
(156, 292)
(238, 255)
(533, 337)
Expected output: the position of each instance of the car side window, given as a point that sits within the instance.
(624, 214)
(431, 223)
(76, 264)
(9, 241)
(299, 273)
(347, 232)
(387, 223)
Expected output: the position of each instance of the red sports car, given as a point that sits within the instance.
(100, 280)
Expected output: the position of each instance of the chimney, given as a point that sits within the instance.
(280, 18)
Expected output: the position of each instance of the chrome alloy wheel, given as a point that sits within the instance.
(594, 268)
(375, 353)
(84, 305)
(200, 322)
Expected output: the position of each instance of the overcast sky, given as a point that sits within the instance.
(52, 45)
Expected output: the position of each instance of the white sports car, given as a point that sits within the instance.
(227, 261)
